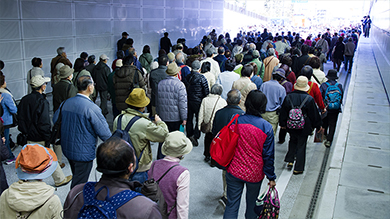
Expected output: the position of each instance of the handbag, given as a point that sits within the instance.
(224, 144)
(21, 139)
(260, 202)
(205, 127)
(319, 136)
(271, 205)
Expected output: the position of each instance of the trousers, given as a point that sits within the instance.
(297, 145)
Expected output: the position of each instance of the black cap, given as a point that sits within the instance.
(125, 34)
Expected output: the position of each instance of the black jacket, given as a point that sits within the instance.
(100, 76)
(198, 87)
(299, 63)
(33, 117)
(309, 110)
(223, 117)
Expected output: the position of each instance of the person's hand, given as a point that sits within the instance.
(1, 97)
(157, 118)
(272, 183)
(184, 122)
(3, 138)
(323, 111)
(284, 127)
(320, 130)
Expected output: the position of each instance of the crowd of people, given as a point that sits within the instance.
(272, 82)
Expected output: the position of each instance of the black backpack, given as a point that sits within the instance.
(124, 134)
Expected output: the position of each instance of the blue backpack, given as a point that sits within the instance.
(94, 208)
(332, 97)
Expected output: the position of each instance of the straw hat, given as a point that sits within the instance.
(173, 69)
(301, 84)
(138, 98)
(176, 144)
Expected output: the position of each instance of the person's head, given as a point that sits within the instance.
(103, 58)
(78, 65)
(195, 65)
(247, 70)
(91, 59)
(36, 62)
(3, 84)
(173, 69)
(38, 83)
(60, 51)
(280, 38)
(35, 162)
(66, 72)
(305, 49)
(132, 51)
(230, 64)
(163, 60)
(324, 36)
(255, 54)
(85, 85)
(119, 63)
(176, 144)
(166, 34)
(279, 74)
(271, 51)
(179, 46)
(146, 49)
(130, 42)
(84, 55)
(228, 54)
(120, 54)
(161, 52)
(216, 89)
(307, 71)
(350, 39)
(311, 50)
(128, 60)
(115, 158)
(233, 97)
(221, 50)
(240, 42)
(254, 65)
(341, 39)
(210, 52)
(179, 57)
(252, 46)
(239, 57)
(125, 34)
(315, 62)
(332, 74)
(1, 65)
(137, 99)
(286, 60)
(171, 57)
(255, 103)
(206, 66)
(302, 84)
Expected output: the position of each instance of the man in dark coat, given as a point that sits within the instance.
(198, 89)
(157, 75)
(301, 61)
(165, 43)
(122, 41)
(100, 76)
(64, 89)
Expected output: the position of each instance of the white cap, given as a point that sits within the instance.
(103, 57)
(39, 80)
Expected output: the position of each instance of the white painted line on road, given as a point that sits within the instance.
(282, 181)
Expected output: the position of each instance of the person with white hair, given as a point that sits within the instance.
(269, 63)
(60, 58)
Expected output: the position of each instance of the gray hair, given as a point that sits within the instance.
(60, 50)
(252, 46)
(271, 51)
(179, 57)
(233, 97)
(216, 89)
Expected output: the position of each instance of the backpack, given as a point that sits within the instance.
(124, 134)
(333, 96)
(94, 208)
(296, 119)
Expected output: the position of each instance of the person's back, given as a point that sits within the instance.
(64, 89)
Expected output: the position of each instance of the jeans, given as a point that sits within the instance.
(348, 59)
(6, 135)
(235, 187)
(330, 121)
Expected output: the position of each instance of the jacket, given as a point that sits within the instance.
(260, 67)
(210, 78)
(171, 104)
(141, 134)
(33, 117)
(198, 87)
(31, 196)
(123, 80)
(139, 207)
(221, 59)
(82, 123)
(214, 66)
(309, 110)
(299, 63)
(349, 49)
(320, 75)
(146, 59)
(223, 117)
(254, 154)
(323, 44)
(63, 90)
(76, 75)
(206, 113)
(100, 76)
(9, 107)
(54, 74)
(315, 92)
(226, 79)
(269, 64)
(156, 75)
(244, 85)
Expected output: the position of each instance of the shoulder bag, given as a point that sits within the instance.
(205, 127)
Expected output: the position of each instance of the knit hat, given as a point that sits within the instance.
(171, 56)
(38, 80)
(195, 65)
(137, 98)
(176, 144)
(119, 63)
(280, 72)
(173, 69)
(301, 84)
(36, 162)
(65, 71)
(332, 74)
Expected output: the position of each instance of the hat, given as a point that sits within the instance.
(36, 162)
(119, 63)
(171, 56)
(125, 34)
(211, 51)
(173, 69)
(301, 84)
(138, 98)
(255, 54)
(39, 80)
(65, 71)
(103, 57)
(176, 144)
(281, 72)
(195, 65)
(332, 74)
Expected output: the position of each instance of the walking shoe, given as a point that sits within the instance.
(297, 172)
(290, 165)
(194, 141)
(327, 143)
(65, 181)
(62, 165)
(223, 201)
(10, 161)
(207, 159)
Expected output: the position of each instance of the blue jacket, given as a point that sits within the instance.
(9, 108)
(82, 122)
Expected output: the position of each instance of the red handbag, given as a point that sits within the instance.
(224, 144)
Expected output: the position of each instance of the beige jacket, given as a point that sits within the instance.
(214, 66)
(320, 76)
(270, 62)
(207, 106)
(244, 85)
(37, 197)
(210, 79)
